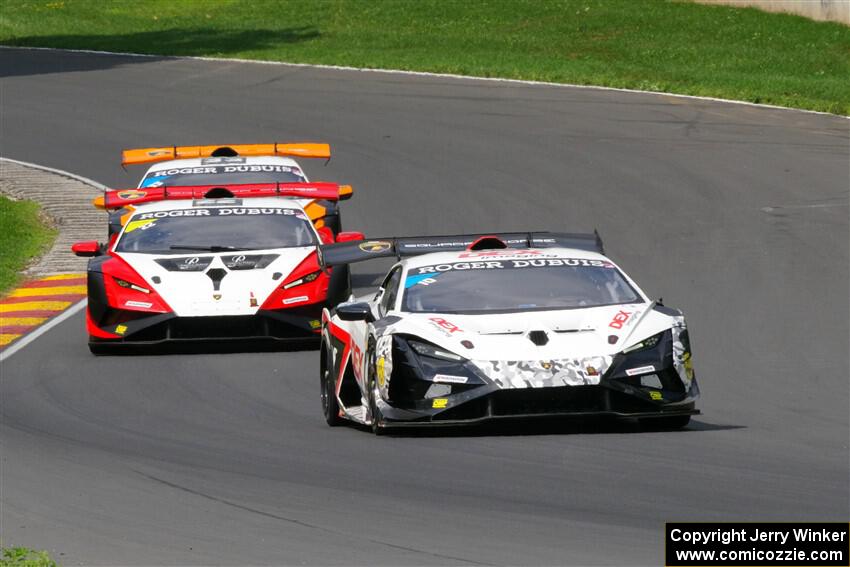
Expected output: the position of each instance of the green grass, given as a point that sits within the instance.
(23, 236)
(23, 557)
(670, 46)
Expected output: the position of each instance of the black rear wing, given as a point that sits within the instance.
(402, 247)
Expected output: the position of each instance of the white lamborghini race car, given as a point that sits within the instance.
(507, 326)
(212, 261)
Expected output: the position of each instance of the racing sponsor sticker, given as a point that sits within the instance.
(186, 263)
(640, 370)
(219, 212)
(439, 403)
(513, 264)
(143, 304)
(229, 201)
(260, 168)
(421, 279)
(248, 262)
(375, 246)
(379, 370)
(450, 379)
(299, 299)
(222, 159)
(507, 252)
(620, 319)
(446, 326)
(232, 168)
(137, 224)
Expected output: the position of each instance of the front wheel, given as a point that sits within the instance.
(375, 413)
(330, 406)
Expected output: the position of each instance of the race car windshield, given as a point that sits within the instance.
(216, 229)
(224, 175)
(508, 286)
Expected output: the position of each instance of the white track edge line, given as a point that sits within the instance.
(79, 178)
(426, 74)
(27, 339)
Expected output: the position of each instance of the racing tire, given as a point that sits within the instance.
(330, 406)
(377, 419)
(670, 423)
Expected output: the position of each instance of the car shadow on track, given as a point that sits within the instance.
(214, 347)
(560, 426)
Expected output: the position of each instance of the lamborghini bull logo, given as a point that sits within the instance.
(375, 246)
(131, 194)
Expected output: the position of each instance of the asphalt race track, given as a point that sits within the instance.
(737, 214)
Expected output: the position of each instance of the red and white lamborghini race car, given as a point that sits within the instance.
(212, 262)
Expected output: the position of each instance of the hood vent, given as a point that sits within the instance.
(216, 275)
(539, 338)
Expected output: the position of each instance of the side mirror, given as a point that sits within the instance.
(326, 234)
(355, 312)
(349, 236)
(86, 249)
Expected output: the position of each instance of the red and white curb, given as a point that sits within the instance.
(37, 305)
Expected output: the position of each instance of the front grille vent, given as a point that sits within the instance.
(539, 338)
(216, 275)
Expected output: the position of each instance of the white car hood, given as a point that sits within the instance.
(570, 332)
(193, 294)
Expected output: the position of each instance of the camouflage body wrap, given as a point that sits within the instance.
(681, 352)
(545, 373)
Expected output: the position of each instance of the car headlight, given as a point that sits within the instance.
(425, 349)
(311, 277)
(130, 285)
(645, 344)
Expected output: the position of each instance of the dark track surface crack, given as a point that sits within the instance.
(299, 522)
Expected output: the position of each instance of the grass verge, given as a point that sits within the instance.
(660, 45)
(23, 236)
(23, 557)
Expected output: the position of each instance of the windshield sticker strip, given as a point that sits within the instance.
(511, 264)
(216, 170)
(217, 212)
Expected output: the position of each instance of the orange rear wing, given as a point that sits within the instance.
(293, 149)
(119, 198)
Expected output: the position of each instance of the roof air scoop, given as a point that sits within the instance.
(488, 243)
(539, 338)
(224, 151)
(218, 193)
